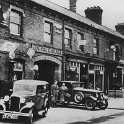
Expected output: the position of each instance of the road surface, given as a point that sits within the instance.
(71, 115)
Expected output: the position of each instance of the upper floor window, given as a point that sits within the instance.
(67, 38)
(81, 41)
(15, 22)
(48, 31)
(95, 46)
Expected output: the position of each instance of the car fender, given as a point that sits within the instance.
(45, 102)
(2, 104)
(93, 98)
(28, 105)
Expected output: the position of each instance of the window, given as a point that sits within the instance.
(48, 31)
(80, 36)
(81, 41)
(67, 40)
(15, 22)
(95, 46)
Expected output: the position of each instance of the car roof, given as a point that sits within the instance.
(31, 82)
(87, 90)
(72, 82)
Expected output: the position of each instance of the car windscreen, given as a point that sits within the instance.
(77, 85)
(24, 90)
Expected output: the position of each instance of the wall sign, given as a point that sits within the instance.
(48, 50)
(58, 28)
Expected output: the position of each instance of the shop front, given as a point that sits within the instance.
(116, 80)
(84, 71)
(76, 70)
(96, 76)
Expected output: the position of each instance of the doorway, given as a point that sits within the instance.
(47, 70)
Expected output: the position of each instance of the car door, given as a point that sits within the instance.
(39, 100)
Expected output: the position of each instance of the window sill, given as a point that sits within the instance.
(16, 37)
(47, 44)
(4, 25)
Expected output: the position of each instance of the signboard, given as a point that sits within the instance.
(9, 47)
(48, 50)
(58, 28)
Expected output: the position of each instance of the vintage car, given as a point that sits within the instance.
(77, 94)
(29, 97)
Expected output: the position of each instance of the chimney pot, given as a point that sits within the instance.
(120, 28)
(73, 5)
(94, 14)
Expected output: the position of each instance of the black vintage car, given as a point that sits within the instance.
(28, 98)
(77, 94)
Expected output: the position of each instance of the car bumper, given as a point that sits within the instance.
(13, 115)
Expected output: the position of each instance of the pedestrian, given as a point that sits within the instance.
(63, 90)
(54, 93)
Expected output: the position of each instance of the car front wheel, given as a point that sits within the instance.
(103, 104)
(29, 120)
(78, 97)
(90, 104)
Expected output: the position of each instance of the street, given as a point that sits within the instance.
(75, 115)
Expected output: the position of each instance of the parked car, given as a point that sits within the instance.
(77, 94)
(28, 98)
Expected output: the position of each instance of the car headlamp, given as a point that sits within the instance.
(6, 98)
(22, 100)
(105, 97)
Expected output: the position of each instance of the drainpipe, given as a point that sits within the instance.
(63, 50)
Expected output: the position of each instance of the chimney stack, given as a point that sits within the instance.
(73, 5)
(94, 14)
(120, 28)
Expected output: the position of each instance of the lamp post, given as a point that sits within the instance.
(11, 67)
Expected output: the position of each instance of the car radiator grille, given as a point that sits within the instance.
(14, 103)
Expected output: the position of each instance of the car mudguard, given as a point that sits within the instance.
(93, 98)
(2, 105)
(28, 105)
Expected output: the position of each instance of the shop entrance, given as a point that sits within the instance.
(48, 70)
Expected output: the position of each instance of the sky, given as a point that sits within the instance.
(113, 10)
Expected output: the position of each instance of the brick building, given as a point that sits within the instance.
(43, 40)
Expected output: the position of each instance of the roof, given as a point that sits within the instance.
(72, 82)
(31, 82)
(76, 16)
(87, 90)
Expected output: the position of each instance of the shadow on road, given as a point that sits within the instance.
(100, 119)
(116, 108)
(76, 107)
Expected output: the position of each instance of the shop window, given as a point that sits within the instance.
(18, 71)
(83, 72)
(72, 71)
(48, 32)
(15, 22)
(91, 67)
(91, 81)
(95, 46)
(67, 38)
(1, 14)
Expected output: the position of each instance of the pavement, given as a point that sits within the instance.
(116, 103)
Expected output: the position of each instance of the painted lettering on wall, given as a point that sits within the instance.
(48, 50)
